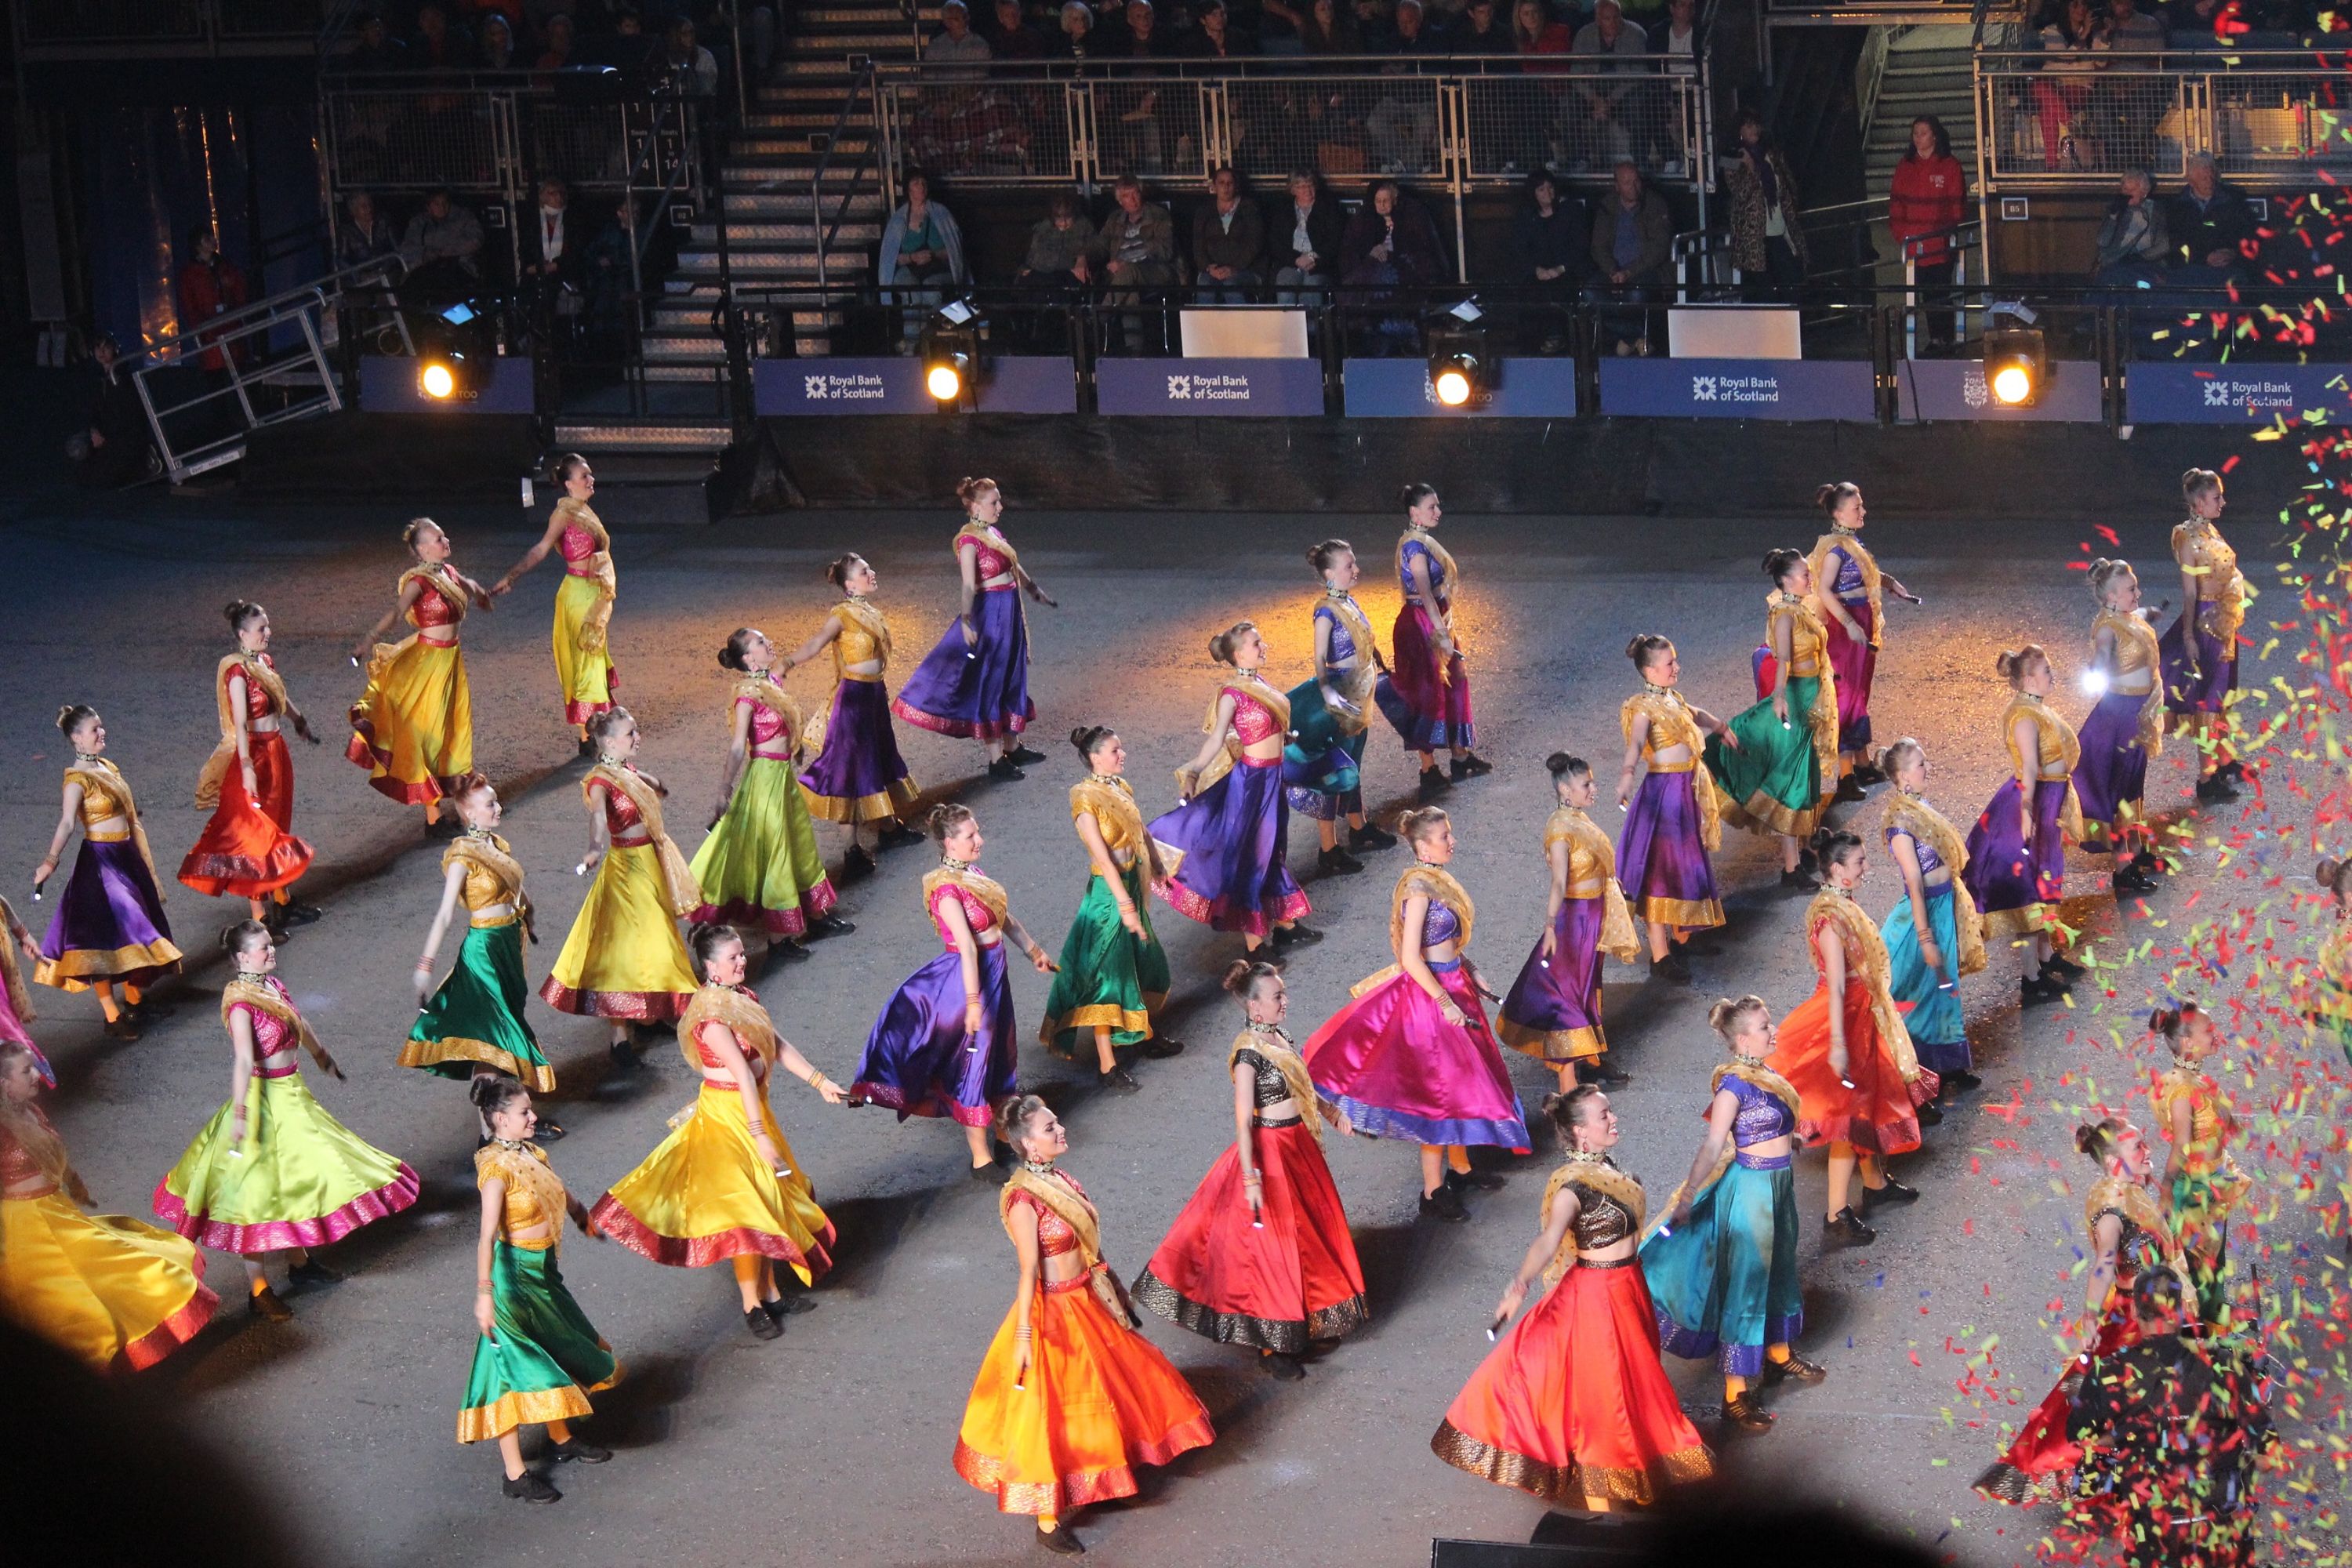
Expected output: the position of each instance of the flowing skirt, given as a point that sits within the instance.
(110, 923)
(1392, 1062)
(1426, 698)
(12, 1028)
(2217, 671)
(979, 690)
(2016, 881)
(920, 1062)
(587, 679)
(2113, 773)
(1662, 859)
(477, 1016)
(1930, 999)
(299, 1179)
(1322, 769)
(760, 869)
(1552, 1011)
(623, 958)
(1854, 663)
(1099, 1399)
(110, 1290)
(1772, 783)
(548, 1357)
(1236, 840)
(2035, 1465)
(1725, 1280)
(704, 1195)
(2198, 1206)
(858, 776)
(1878, 1115)
(1276, 1286)
(246, 850)
(1573, 1402)
(412, 728)
(1110, 979)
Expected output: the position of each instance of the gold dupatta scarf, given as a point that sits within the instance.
(1671, 725)
(1275, 1048)
(1602, 1177)
(682, 892)
(1085, 1224)
(527, 1168)
(990, 536)
(2133, 628)
(1822, 717)
(108, 779)
(1244, 683)
(2224, 588)
(1762, 1078)
(867, 617)
(1825, 585)
(19, 997)
(2132, 1201)
(1571, 826)
(2069, 749)
(1451, 574)
(977, 883)
(740, 1010)
(1364, 675)
(1869, 963)
(492, 855)
(1911, 814)
(264, 998)
(599, 618)
(2207, 1155)
(257, 671)
(764, 690)
(1111, 802)
(1436, 885)
(437, 578)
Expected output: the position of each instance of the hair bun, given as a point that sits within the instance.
(2088, 1138)
(1558, 764)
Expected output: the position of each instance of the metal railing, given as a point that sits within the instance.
(96, 29)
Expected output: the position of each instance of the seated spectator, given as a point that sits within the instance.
(921, 246)
(498, 49)
(1063, 251)
(114, 446)
(1139, 243)
(1135, 131)
(1325, 27)
(443, 248)
(1306, 260)
(1391, 243)
(559, 39)
(1228, 243)
(2074, 34)
(2196, 22)
(376, 50)
(1075, 40)
(1768, 242)
(1403, 123)
(2133, 244)
(1214, 36)
(955, 43)
(693, 67)
(2210, 223)
(1616, 94)
(1633, 238)
(440, 46)
(365, 234)
(1144, 39)
(1481, 32)
(626, 48)
(1534, 32)
(210, 284)
(1012, 38)
(1926, 200)
(1412, 35)
(1551, 246)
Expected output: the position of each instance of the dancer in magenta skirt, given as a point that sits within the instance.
(858, 776)
(2125, 732)
(1851, 588)
(975, 681)
(1553, 1011)
(1232, 834)
(2017, 852)
(16, 1000)
(1412, 1056)
(1673, 824)
(2200, 649)
(1427, 693)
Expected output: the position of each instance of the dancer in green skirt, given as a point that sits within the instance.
(473, 1026)
(1114, 972)
(538, 1357)
(1781, 777)
(760, 869)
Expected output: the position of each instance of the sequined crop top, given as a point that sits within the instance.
(1267, 1086)
(523, 1212)
(484, 889)
(19, 1171)
(767, 727)
(98, 802)
(1253, 720)
(1440, 926)
(711, 1061)
(1343, 641)
(1924, 847)
(1600, 1220)
(1806, 650)
(1415, 548)
(575, 543)
(1761, 1117)
(976, 914)
(857, 646)
(274, 1042)
(1054, 1236)
(621, 814)
(431, 609)
(258, 704)
(986, 563)
(1846, 582)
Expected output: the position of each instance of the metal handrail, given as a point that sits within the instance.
(866, 83)
(384, 271)
(1177, 68)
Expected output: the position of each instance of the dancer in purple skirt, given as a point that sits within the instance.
(975, 682)
(858, 777)
(2017, 852)
(946, 1043)
(1233, 830)
(1427, 693)
(2124, 730)
(110, 927)
(2200, 649)
(1675, 823)
(1553, 1011)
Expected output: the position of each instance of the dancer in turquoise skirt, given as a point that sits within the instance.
(1933, 934)
(1322, 765)
(1780, 778)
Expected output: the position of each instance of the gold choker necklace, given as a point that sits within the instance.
(1744, 1059)
(953, 864)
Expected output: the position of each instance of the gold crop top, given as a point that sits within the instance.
(485, 890)
(530, 1187)
(2059, 748)
(1591, 861)
(1807, 644)
(100, 803)
(2135, 648)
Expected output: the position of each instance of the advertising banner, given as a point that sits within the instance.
(2160, 393)
(388, 385)
(1955, 389)
(890, 383)
(1399, 389)
(1738, 389)
(1263, 388)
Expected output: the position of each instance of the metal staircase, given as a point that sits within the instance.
(1926, 70)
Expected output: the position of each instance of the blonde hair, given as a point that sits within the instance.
(1725, 1015)
(2103, 573)
(2014, 663)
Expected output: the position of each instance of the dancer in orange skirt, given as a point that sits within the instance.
(247, 848)
(1262, 1255)
(1070, 1397)
(1860, 1086)
(1574, 1404)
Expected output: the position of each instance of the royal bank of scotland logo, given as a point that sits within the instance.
(815, 388)
(1705, 389)
(2218, 395)
(1972, 388)
(1180, 388)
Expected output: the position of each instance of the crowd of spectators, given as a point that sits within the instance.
(689, 43)
(2201, 237)
(1226, 29)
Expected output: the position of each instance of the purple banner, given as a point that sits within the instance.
(1738, 389)
(2237, 393)
(1955, 389)
(388, 385)
(1263, 388)
(1399, 389)
(893, 384)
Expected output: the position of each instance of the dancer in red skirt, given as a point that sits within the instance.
(247, 849)
(1851, 591)
(1262, 1255)
(1574, 1405)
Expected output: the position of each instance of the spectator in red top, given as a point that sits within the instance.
(210, 286)
(1534, 32)
(1929, 196)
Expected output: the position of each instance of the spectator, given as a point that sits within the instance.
(693, 67)
(1767, 240)
(627, 48)
(1675, 43)
(209, 286)
(1325, 27)
(1063, 252)
(377, 49)
(1551, 246)
(2133, 30)
(1074, 41)
(2133, 244)
(2134, 106)
(1375, 25)
(365, 235)
(1310, 258)
(1139, 239)
(2201, 21)
(2062, 89)
(1391, 243)
(1614, 93)
(1927, 199)
(1214, 36)
(113, 447)
(1013, 39)
(1144, 39)
(2210, 223)
(921, 246)
(1228, 243)
(608, 273)
(1632, 235)
(1412, 35)
(955, 43)
(1533, 33)
(553, 259)
(443, 248)
(559, 45)
(1402, 123)
(1481, 32)
(498, 53)
(438, 46)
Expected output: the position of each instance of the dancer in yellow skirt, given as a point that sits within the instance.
(412, 728)
(624, 961)
(584, 605)
(724, 1183)
(107, 1287)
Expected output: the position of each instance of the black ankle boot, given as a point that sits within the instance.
(1371, 835)
(1434, 783)
(1846, 1229)
(1337, 862)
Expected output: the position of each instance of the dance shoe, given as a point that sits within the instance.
(1118, 1080)
(1846, 1229)
(1371, 835)
(1887, 1196)
(1434, 783)
(580, 1449)
(1005, 769)
(761, 1325)
(263, 1304)
(1285, 1368)
(1746, 1414)
(1796, 1367)
(532, 1488)
(1475, 1180)
(1024, 757)
(1337, 862)
(784, 1307)
(1060, 1541)
(310, 1271)
(1444, 1204)
(1160, 1049)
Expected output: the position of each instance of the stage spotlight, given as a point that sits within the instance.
(1460, 366)
(2016, 357)
(951, 353)
(437, 380)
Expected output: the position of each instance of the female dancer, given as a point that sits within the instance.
(2330, 986)
(1574, 1405)
(1331, 714)
(413, 725)
(1231, 831)
(1723, 1259)
(975, 681)
(2017, 851)
(1934, 936)
(272, 1171)
(16, 1000)
(110, 927)
(538, 1357)
(1426, 695)
(1675, 824)
(1781, 775)
(246, 848)
(1553, 1011)
(725, 1184)
(473, 1025)
(111, 1290)
(2129, 1237)
(858, 776)
(2200, 650)
(1070, 1397)
(1262, 1256)
(584, 604)
(1411, 1056)
(1845, 1049)
(1113, 970)
(758, 868)
(2125, 732)
(2203, 1184)
(926, 1056)
(624, 961)
(1850, 587)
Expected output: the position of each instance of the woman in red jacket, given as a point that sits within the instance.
(1929, 196)
(210, 286)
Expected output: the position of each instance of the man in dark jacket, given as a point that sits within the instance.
(1632, 237)
(1228, 243)
(2207, 223)
(114, 446)
(1306, 234)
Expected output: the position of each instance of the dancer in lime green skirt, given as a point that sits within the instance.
(1779, 777)
(538, 1357)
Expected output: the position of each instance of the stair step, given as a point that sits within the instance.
(774, 235)
(598, 436)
